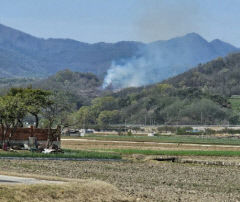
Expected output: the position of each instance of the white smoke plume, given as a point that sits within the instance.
(137, 71)
(160, 20)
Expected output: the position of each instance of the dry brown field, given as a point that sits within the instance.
(96, 144)
(144, 181)
(137, 177)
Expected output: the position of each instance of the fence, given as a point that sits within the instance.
(21, 135)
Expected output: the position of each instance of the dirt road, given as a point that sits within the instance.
(4, 179)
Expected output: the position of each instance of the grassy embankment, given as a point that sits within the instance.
(67, 154)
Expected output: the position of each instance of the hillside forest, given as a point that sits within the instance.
(207, 94)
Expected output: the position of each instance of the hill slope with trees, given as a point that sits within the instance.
(220, 76)
(79, 88)
(198, 96)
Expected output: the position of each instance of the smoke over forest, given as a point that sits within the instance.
(158, 21)
(141, 70)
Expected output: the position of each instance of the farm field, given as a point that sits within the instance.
(143, 180)
(190, 139)
(139, 176)
(116, 142)
(223, 153)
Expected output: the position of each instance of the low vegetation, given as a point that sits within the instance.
(72, 154)
(177, 153)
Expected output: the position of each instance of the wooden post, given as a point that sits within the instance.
(31, 135)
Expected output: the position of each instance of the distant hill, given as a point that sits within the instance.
(183, 53)
(23, 55)
(220, 76)
(80, 88)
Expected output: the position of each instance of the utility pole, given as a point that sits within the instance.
(178, 118)
(167, 117)
(125, 125)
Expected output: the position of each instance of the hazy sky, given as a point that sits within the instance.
(115, 20)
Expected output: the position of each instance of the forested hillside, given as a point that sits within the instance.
(80, 88)
(159, 104)
(198, 96)
(220, 76)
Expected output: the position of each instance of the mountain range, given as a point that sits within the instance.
(23, 55)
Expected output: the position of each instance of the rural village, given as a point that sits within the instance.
(119, 101)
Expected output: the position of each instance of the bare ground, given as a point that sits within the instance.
(139, 178)
(96, 144)
(148, 181)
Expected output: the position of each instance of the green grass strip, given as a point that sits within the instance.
(177, 153)
(181, 139)
(67, 154)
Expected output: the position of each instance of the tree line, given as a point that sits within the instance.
(34, 105)
(156, 104)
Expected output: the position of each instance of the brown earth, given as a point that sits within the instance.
(145, 180)
(96, 144)
(139, 178)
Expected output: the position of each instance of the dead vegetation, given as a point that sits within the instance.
(88, 190)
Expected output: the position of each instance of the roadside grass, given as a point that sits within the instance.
(87, 190)
(176, 152)
(181, 139)
(68, 153)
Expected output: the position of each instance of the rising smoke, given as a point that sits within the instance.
(137, 71)
(158, 21)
